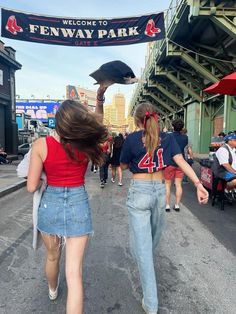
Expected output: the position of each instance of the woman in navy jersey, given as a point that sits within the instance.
(64, 210)
(146, 153)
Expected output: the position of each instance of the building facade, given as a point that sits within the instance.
(114, 114)
(8, 126)
(86, 96)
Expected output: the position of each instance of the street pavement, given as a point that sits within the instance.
(9, 182)
(195, 261)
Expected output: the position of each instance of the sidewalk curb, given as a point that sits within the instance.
(12, 188)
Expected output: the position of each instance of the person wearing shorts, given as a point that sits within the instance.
(64, 211)
(173, 172)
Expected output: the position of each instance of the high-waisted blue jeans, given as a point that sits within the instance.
(146, 207)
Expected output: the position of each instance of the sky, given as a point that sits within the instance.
(47, 69)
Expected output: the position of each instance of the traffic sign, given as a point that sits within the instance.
(51, 123)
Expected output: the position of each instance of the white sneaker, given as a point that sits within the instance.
(112, 180)
(53, 294)
(146, 310)
(120, 183)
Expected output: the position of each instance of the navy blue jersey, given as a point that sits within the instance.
(135, 154)
(182, 141)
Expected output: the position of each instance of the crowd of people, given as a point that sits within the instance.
(58, 164)
(57, 169)
(111, 155)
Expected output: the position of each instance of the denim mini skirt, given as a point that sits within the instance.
(65, 212)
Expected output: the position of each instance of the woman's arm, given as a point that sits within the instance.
(190, 152)
(202, 193)
(229, 168)
(35, 167)
(100, 99)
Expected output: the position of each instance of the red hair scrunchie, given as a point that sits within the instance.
(147, 116)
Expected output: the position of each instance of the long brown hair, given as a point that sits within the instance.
(146, 115)
(79, 129)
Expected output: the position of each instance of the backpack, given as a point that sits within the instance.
(216, 168)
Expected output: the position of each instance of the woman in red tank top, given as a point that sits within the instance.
(64, 209)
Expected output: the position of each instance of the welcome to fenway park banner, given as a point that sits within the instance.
(82, 32)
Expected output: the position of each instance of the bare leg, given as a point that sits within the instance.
(75, 248)
(179, 190)
(52, 244)
(113, 172)
(168, 186)
(120, 174)
(231, 185)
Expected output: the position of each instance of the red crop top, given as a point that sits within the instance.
(60, 169)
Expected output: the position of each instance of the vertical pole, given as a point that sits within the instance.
(227, 109)
(185, 117)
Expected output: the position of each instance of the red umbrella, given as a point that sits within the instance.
(226, 86)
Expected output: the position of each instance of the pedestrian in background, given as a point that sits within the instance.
(226, 157)
(173, 172)
(115, 159)
(188, 154)
(64, 211)
(103, 169)
(3, 156)
(146, 153)
(94, 168)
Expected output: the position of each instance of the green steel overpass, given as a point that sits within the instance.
(199, 49)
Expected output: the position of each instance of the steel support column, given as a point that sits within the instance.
(227, 110)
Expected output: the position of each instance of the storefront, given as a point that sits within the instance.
(8, 126)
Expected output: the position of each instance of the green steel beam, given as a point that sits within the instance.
(198, 8)
(226, 24)
(173, 50)
(162, 102)
(176, 81)
(160, 111)
(219, 15)
(188, 78)
(157, 99)
(163, 113)
(165, 92)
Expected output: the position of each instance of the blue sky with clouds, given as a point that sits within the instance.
(47, 69)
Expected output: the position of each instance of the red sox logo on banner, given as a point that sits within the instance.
(151, 30)
(82, 32)
(12, 26)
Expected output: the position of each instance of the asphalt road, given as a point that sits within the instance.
(195, 262)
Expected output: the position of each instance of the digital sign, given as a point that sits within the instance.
(38, 110)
